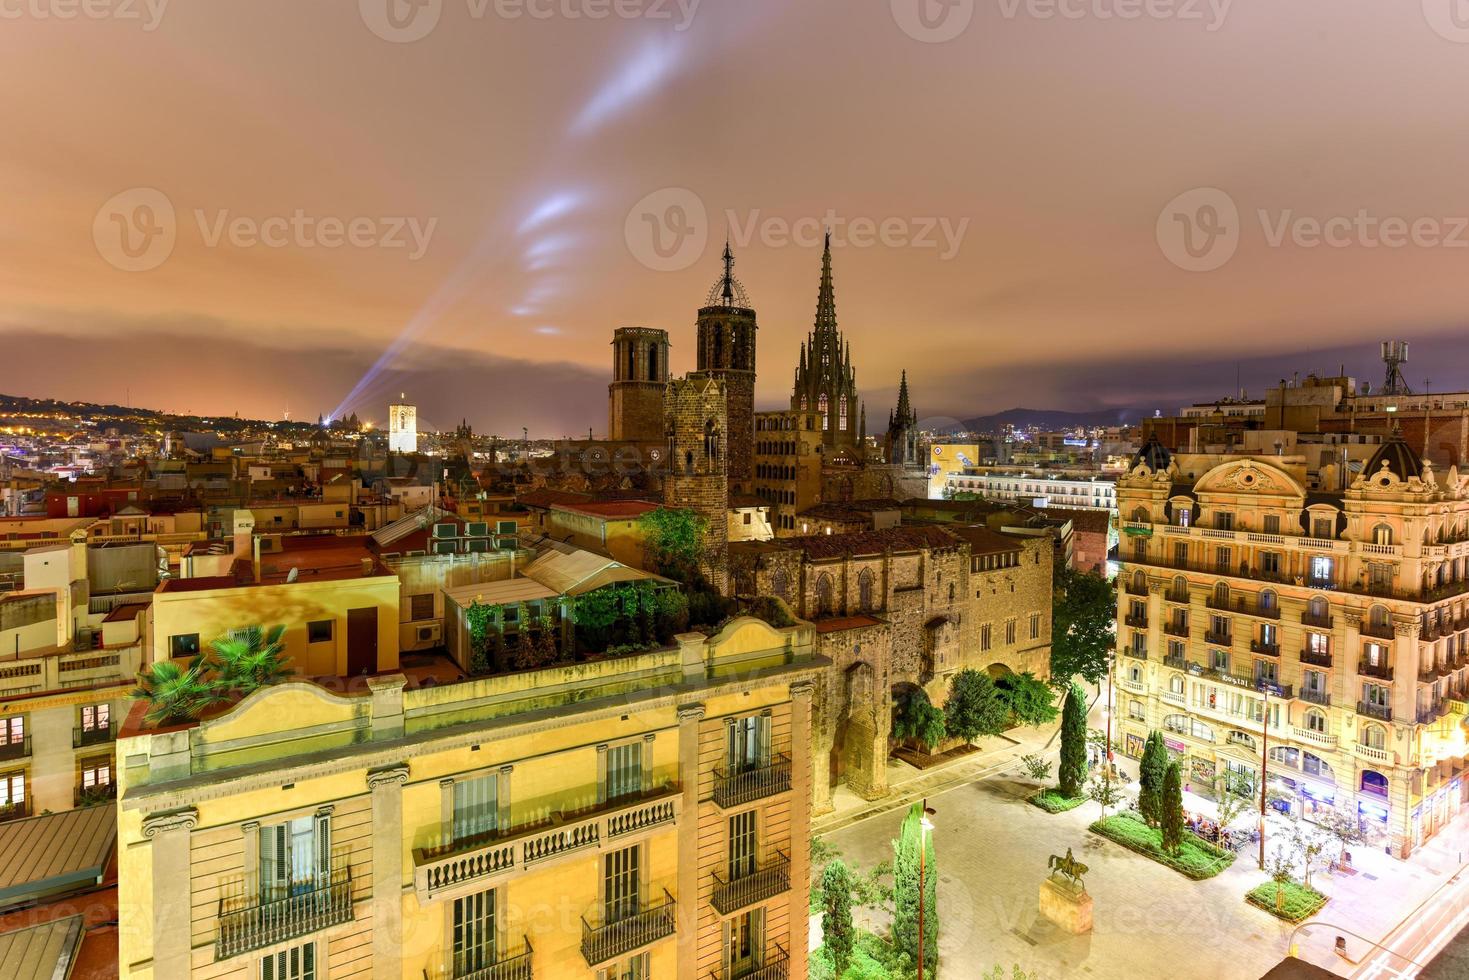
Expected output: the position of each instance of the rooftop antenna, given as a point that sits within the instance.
(1395, 355)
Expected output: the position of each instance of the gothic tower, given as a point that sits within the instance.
(902, 441)
(825, 381)
(639, 375)
(726, 328)
(697, 479)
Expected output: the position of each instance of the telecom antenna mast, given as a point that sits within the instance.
(1395, 355)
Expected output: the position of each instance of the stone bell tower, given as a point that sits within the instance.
(639, 375)
(697, 479)
(726, 328)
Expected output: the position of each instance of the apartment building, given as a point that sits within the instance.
(1312, 637)
(640, 816)
(1037, 489)
(787, 466)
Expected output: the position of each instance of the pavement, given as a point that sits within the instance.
(992, 850)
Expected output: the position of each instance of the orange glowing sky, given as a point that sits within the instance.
(526, 142)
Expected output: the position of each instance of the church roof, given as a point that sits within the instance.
(1154, 454)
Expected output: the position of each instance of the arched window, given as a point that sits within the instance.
(711, 440)
(822, 406)
(632, 359)
(1221, 595)
(1374, 782)
(1140, 515)
(1374, 737)
(653, 362)
(823, 595)
(1175, 684)
(1316, 608)
(1382, 534)
(1379, 617)
(1179, 590)
(1176, 723)
(842, 413)
(1286, 755)
(1316, 721)
(1267, 600)
(1241, 738)
(864, 590)
(780, 584)
(1139, 582)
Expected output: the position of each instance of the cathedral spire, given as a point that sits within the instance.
(727, 289)
(905, 410)
(826, 304)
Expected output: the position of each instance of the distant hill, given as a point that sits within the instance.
(1050, 419)
(131, 420)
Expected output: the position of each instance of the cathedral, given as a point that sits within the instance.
(826, 383)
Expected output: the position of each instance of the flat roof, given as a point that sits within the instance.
(54, 851)
(609, 509)
(499, 593)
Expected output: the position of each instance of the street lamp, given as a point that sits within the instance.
(924, 826)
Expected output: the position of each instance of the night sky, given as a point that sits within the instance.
(1084, 210)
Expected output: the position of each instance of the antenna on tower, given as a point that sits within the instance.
(1395, 355)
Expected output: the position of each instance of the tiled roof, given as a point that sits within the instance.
(983, 541)
(609, 509)
(907, 538)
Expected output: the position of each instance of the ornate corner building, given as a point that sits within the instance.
(1301, 622)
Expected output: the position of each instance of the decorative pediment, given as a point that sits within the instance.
(1249, 476)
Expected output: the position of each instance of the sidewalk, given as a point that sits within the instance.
(907, 785)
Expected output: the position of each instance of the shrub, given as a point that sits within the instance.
(1196, 857)
(1287, 900)
(1051, 801)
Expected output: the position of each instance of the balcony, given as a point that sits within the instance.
(1136, 622)
(1381, 712)
(15, 748)
(1382, 756)
(1314, 697)
(1313, 658)
(81, 737)
(1176, 629)
(1173, 697)
(1176, 660)
(1323, 621)
(770, 879)
(627, 930)
(1244, 606)
(1315, 738)
(1135, 653)
(250, 923)
(18, 810)
(1176, 596)
(468, 966)
(464, 866)
(1432, 713)
(1219, 639)
(1134, 589)
(1369, 669)
(777, 966)
(733, 789)
(1136, 686)
(1267, 649)
(93, 795)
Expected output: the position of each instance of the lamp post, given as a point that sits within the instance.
(924, 826)
(1264, 761)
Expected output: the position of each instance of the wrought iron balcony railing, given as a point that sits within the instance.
(1368, 669)
(15, 748)
(92, 736)
(494, 965)
(755, 885)
(251, 922)
(1381, 712)
(1314, 659)
(627, 929)
(776, 966)
(18, 810)
(747, 785)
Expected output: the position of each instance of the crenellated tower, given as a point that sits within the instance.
(726, 329)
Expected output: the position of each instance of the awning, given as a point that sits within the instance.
(55, 852)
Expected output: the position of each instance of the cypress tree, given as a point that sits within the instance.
(1173, 809)
(1072, 771)
(1151, 774)
(905, 893)
(836, 919)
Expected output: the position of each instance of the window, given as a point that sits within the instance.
(1270, 562)
(984, 637)
(1382, 534)
(1314, 765)
(319, 631)
(1267, 600)
(1318, 643)
(1222, 559)
(183, 645)
(621, 884)
(744, 943)
(12, 793)
(624, 770)
(1321, 528)
(748, 744)
(1323, 570)
(1010, 632)
(1035, 626)
(1375, 654)
(823, 595)
(474, 933)
(742, 845)
(1375, 695)
(296, 963)
(294, 857)
(96, 774)
(1316, 721)
(1224, 520)
(13, 733)
(1219, 660)
(1175, 684)
(1180, 553)
(634, 969)
(864, 590)
(96, 718)
(1136, 711)
(422, 606)
(1374, 737)
(1272, 523)
(476, 806)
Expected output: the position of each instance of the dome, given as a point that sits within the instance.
(1154, 454)
(1398, 457)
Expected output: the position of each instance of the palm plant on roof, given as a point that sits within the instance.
(251, 658)
(174, 692)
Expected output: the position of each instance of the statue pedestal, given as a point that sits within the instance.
(1068, 907)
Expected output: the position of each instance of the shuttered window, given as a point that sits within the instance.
(621, 890)
(749, 743)
(295, 857)
(297, 963)
(474, 932)
(476, 807)
(624, 770)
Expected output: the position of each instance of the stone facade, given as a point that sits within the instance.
(696, 420)
(639, 375)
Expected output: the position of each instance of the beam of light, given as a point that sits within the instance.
(633, 82)
(550, 208)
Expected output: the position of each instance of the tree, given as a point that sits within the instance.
(1101, 789)
(1083, 614)
(974, 707)
(1230, 802)
(905, 891)
(1073, 744)
(1151, 774)
(672, 541)
(1173, 809)
(176, 693)
(837, 934)
(1029, 699)
(918, 719)
(250, 658)
(1342, 827)
(1035, 767)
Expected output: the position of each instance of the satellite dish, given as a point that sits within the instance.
(293, 574)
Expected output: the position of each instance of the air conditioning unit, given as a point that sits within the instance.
(445, 547)
(429, 634)
(446, 530)
(505, 527)
(476, 545)
(477, 529)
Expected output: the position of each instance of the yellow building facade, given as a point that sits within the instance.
(642, 816)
